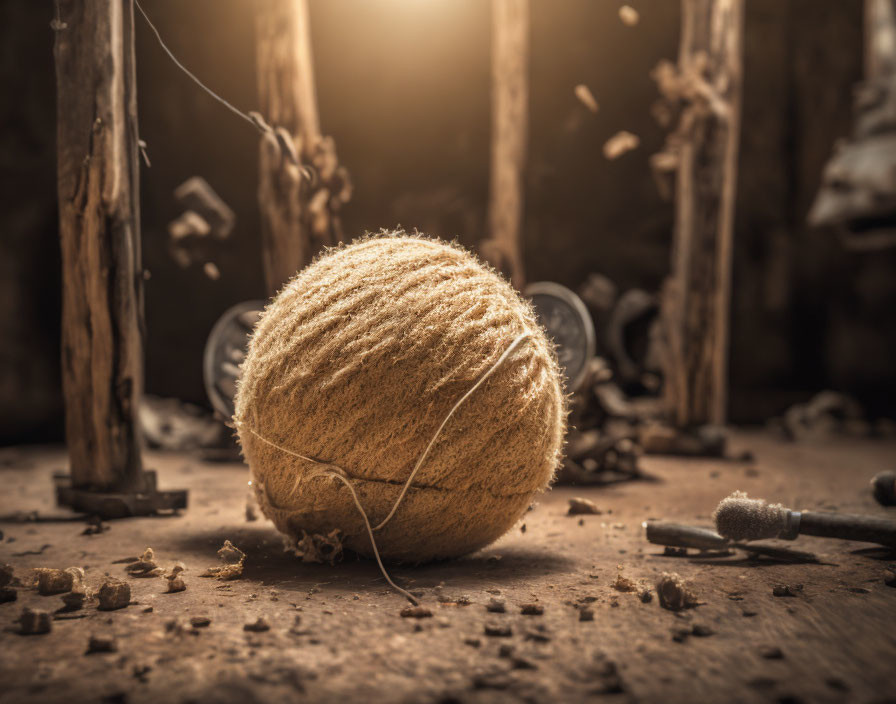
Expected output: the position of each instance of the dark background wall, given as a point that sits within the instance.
(404, 89)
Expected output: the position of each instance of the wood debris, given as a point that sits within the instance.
(320, 549)
(629, 16)
(144, 567)
(532, 609)
(787, 590)
(53, 581)
(260, 625)
(498, 630)
(101, 644)
(586, 97)
(674, 593)
(233, 559)
(619, 144)
(416, 612)
(624, 584)
(114, 594)
(34, 622)
(496, 605)
(175, 581)
(580, 506)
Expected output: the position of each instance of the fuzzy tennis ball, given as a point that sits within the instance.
(359, 359)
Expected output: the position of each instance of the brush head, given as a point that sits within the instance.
(741, 519)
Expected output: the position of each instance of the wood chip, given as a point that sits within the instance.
(586, 97)
(33, 622)
(579, 506)
(629, 16)
(619, 144)
(114, 594)
(416, 612)
(259, 626)
(674, 593)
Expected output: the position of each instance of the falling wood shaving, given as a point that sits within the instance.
(629, 16)
(586, 97)
(619, 144)
(211, 271)
(233, 558)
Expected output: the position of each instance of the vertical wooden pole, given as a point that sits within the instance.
(697, 298)
(298, 207)
(880, 39)
(102, 306)
(510, 97)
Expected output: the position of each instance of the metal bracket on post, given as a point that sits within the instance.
(119, 504)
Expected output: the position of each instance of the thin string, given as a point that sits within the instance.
(340, 473)
(376, 553)
(236, 111)
(510, 350)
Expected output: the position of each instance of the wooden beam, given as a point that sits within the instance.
(880, 39)
(696, 301)
(510, 97)
(299, 206)
(102, 303)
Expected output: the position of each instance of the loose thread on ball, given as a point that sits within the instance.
(339, 473)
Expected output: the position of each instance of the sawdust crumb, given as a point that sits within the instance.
(101, 644)
(260, 625)
(175, 581)
(145, 566)
(581, 506)
(498, 630)
(416, 612)
(233, 559)
(787, 589)
(624, 584)
(33, 622)
(496, 605)
(629, 16)
(52, 581)
(674, 593)
(586, 97)
(114, 594)
(620, 143)
(320, 549)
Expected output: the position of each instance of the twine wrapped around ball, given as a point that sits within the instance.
(358, 361)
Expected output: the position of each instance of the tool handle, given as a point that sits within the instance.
(677, 535)
(868, 529)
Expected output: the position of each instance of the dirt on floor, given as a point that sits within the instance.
(562, 609)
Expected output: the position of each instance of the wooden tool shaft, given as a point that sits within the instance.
(867, 529)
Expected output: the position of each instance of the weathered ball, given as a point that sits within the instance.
(359, 359)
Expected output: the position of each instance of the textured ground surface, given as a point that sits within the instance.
(336, 634)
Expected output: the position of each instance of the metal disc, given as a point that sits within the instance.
(225, 351)
(568, 322)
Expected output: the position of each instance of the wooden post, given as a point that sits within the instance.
(510, 96)
(298, 206)
(102, 306)
(880, 39)
(696, 302)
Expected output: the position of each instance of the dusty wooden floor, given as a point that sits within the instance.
(336, 633)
